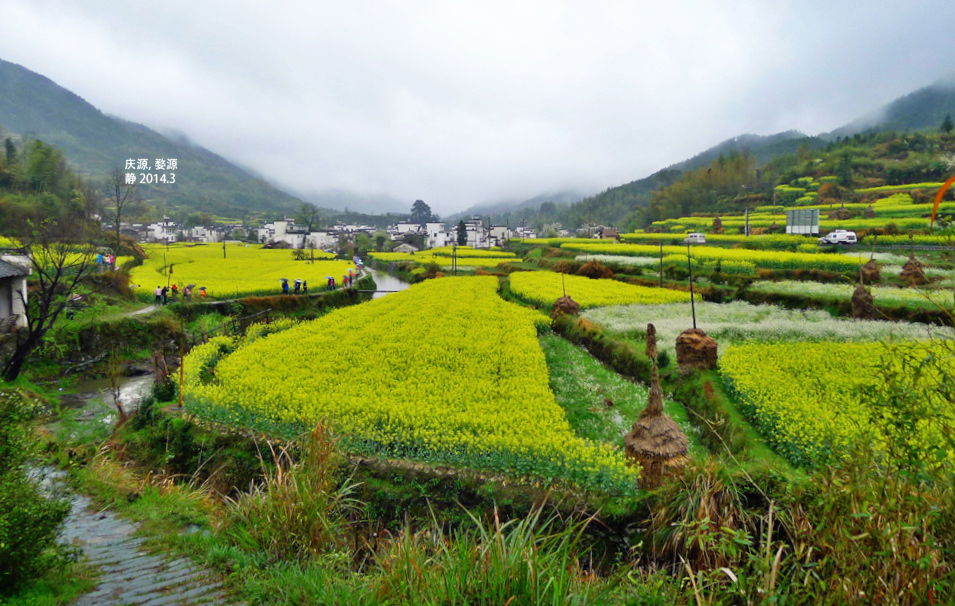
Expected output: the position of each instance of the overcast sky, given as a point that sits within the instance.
(458, 103)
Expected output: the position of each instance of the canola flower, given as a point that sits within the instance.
(712, 254)
(442, 260)
(245, 270)
(445, 371)
(544, 288)
(804, 397)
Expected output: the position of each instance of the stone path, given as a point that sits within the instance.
(130, 575)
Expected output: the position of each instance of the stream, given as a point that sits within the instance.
(385, 281)
(93, 398)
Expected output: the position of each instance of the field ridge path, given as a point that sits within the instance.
(128, 573)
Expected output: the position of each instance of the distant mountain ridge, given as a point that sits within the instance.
(95, 144)
(925, 108)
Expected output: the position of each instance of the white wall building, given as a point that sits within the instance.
(14, 270)
(164, 231)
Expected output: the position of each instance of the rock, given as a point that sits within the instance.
(695, 351)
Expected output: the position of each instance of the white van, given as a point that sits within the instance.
(840, 236)
(695, 238)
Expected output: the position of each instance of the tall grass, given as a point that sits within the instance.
(301, 509)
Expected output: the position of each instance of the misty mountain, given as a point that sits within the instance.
(615, 204)
(368, 204)
(94, 143)
(925, 108)
(499, 210)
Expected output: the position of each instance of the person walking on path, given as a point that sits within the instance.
(187, 294)
(298, 285)
(305, 287)
(158, 293)
(165, 294)
(285, 287)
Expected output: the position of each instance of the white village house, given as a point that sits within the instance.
(14, 270)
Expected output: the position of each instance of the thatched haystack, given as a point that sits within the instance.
(565, 306)
(913, 272)
(862, 307)
(652, 342)
(695, 351)
(870, 271)
(655, 441)
(595, 270)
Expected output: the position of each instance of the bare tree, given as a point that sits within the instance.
(62, 253)
(308, 214)
(121, 197)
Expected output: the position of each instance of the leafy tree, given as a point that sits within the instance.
(11, 150)
(844, 170)
(362, 244)
(308, 215)
(420, 212)
(947, 124)
(462, 230)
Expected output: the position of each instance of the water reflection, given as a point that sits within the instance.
(386, 281)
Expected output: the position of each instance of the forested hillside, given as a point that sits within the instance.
(843, 172)
(95, 144)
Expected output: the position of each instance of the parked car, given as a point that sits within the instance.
(695, 238)
(840, 236)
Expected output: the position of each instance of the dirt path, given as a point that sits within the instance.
(145, 310)
(130, 574)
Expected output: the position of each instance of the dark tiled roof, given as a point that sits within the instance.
(9, 270)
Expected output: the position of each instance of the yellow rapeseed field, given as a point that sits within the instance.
(245, 270)
(445, 371)
(806, 398)
(545, 287)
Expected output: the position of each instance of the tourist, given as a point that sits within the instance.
(305, 287)
(284, 287)
(158, 293)
(298, 285)
(165, 294)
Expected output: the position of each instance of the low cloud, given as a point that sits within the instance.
(460, 103)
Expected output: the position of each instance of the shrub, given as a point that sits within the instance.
(29, 521)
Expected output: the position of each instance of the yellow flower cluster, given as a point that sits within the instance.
(545, 287)
(469, 251)
(245, 270)
(446, 370)
(711, 254)
(471, 259)
(805, 398)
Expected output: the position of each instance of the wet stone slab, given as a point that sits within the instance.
(128, 573)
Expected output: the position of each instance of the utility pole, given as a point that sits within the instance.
(689, 264)
(661, 263)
